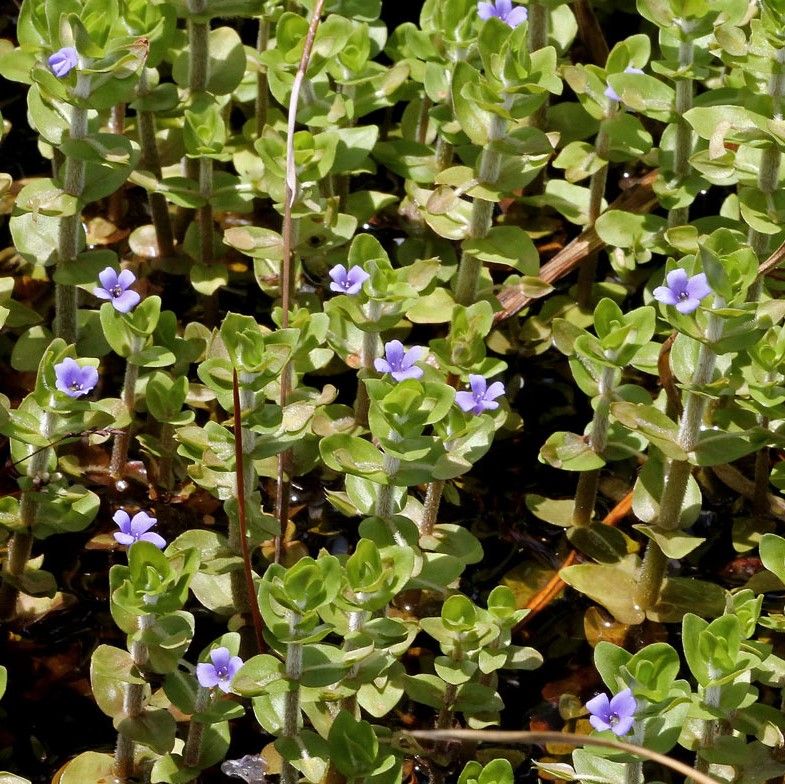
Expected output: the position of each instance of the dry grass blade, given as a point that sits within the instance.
(506, 736)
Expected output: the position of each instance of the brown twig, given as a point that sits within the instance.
(639, 199)
(507, 736)
(287, 278)
(240, 477)
(736, 481)
(555, 585)
(590, 32)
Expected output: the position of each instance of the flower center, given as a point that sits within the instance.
(347, 284)
(613, 719)
(116, 290)
(222, 672)
(75, 385)
(684, 295)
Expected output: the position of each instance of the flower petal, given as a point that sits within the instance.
(382, 365)
(478, 384)
(687, 306)
(403, 375)
(338, 273)
(206, 675)
(611, 94)
(494, 390)
(220, 657)
(126, 279)
(414, 354)
(154, 539)
(599, 706)
(89, 378)
(485, 10)
(623, 704)
(677, 279)
(123, 520)
(465, 401)
(503, 7)
(126, 302)
(125, 539)
(665, 295)
(623, 725)
(394, 352)
(234, 666)
(517, 16)
(108, 278)
(101, 293)
(142, 522)
(698, 286)
(599, 724)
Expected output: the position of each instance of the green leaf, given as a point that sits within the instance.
(353, 746)
(354, 455)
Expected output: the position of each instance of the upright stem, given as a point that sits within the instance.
(159, 211)
(193, 743)
(206, 212)
(678, 472)
(430, 512)
(588, 270)
(384, 500)
(678, 216)
(123, 437)
(538, 39)
(470, 266)
(368, 353)
(294, 669)
(198, 64)
(133, 704)
(21, 544)
(287, 271)
(116, 125)
(68, 240)
(588, 481)
(262, 87)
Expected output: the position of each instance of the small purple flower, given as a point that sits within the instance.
(683, 292)
(136, 529)
(502, 9)
(73, 379)
(347, 281)
(399, 362)
(611, 93)
(63, 61)
(616, 714)
(117, 289)
(220, 672)
(481, 398)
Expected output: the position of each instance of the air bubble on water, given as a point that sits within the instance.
(250, 768)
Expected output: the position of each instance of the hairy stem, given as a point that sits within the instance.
(262, 86)
(368, 353)
(159, 211)
(430, 513)
(21, 545)
(65, 325)
(193, 743)
(133, 704)
(123, 438)
(678, 216)
(470, 266)
(291, 721)
(588, 481)
(588, 269)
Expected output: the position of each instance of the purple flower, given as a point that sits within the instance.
(347, 281)
(611, 93)
(683, 292)
(63, 61)
(117, 289)
(137, 529)
(481, 398)
(220, 672)
(73, 379)
(616, 714)
(502, 9)
(398, 362)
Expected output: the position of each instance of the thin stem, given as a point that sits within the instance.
(430, 512)
(588, 481)
(133, 704)
(262, 87)
(287, 264)
(538, 39)
(206, 212)
(65, 325)
(651, 575)
(159, 211)
(588, 270)
(241, 499)
(193, 743)
(123, 437)
(21, 545)
(423, 118)
(291, 721)
(368, 353)
(678, 216)
(470, 266)
(117, 126)
(384, 507)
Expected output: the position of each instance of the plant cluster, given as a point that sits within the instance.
(383, 370)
